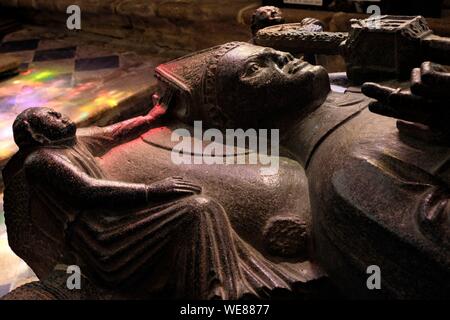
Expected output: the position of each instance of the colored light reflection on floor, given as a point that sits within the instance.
(54, 89)
(105, 99)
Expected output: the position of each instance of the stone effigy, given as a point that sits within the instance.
(377, 197)
(93, 200)
(269, 16)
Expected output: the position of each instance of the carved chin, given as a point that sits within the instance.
(276, 20)
(320, 79)
(71, 129)
(68, 132)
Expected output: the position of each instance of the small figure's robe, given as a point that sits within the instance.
(185, 247)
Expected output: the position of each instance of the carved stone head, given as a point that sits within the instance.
(265, 17)
(42, 126)
(241, 85)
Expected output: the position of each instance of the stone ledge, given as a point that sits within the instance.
(187, 10)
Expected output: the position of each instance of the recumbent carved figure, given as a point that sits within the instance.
(350, 155)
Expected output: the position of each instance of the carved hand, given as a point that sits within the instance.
(174, 186)
(424, 107)
(158, 109)
(160, 103)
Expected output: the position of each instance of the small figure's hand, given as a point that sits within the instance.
(158, 109)
(174, 186)
(424, 108)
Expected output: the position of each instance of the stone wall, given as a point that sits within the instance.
(446, 9)
(174, 27)
(151, 25)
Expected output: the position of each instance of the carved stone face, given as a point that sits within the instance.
(42, 126)
(255, 84)
(266, 16)
(241, 85)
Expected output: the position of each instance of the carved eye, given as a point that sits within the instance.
(252, 68)
(55, 114)
(283, 60)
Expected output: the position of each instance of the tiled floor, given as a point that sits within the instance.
(85, 79)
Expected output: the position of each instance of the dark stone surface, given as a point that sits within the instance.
(20, 45)
(89, 64)
(55, 54)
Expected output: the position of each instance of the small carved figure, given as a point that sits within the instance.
(264, 17)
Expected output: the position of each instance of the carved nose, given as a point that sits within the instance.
(297, 65)
(282, 59)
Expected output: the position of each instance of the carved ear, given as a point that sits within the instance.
(40, 138)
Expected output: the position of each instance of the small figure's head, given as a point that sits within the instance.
(265, 17)
(42, 126)
(240, 85)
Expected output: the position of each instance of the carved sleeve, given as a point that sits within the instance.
(101, 139)
(57, 176)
